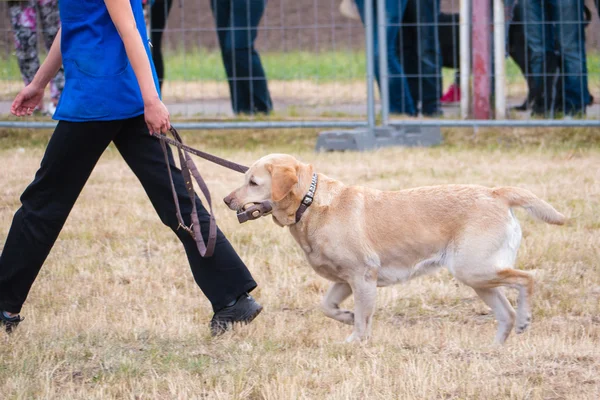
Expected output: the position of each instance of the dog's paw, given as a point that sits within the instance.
(356, 338)
(523, 323)
(352, 338)
(347, 317)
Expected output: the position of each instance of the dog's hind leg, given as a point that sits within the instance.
(337, 293)
(489, 292)
(503, 311)
(523, 282)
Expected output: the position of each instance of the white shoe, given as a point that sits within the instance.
(349, 10)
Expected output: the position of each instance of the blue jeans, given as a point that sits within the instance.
(237, 22)
(421, 53)
(401, 101)
(567, 37)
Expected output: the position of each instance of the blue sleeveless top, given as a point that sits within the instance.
(100, 84)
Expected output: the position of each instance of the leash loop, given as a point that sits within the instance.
(189, 171)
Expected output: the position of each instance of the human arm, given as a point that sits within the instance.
(32, 94)
(155, 112)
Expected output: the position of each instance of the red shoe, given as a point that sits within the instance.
(452, 95)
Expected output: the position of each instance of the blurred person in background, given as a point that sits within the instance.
(414, 59)
(23, 16)
(517, 48)
(237, 28)
(413, 53)
(420, 54)
(450, 51)
(449, 34)
(401, 100)
(159, 14)
(554, 32)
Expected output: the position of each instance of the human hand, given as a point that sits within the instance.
(27, 100)
(157, 116)
(349, 10)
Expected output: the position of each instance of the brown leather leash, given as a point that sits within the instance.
(189, 170)
(209, 157)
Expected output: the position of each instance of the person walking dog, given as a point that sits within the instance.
(111, 95)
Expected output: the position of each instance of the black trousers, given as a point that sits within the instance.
(70, 157)
(159, 13)
(237, 29)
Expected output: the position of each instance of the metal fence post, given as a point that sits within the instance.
(370, 64)
(499, 54)
(465, 57)
(385, 135)
(383, 63)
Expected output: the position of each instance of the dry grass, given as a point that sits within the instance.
(115, 312)
(302, 91)
(305, 92)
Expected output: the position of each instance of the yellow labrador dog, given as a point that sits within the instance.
(362, 238)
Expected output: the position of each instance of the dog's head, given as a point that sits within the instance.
(278, 178)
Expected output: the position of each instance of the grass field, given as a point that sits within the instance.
(326, 67)
(115, 313)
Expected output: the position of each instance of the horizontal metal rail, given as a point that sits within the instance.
(475, 123)
(445, 123)
(216, 125)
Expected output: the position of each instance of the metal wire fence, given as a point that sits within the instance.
(226, 64)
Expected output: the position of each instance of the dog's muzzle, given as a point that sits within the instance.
(252, 211)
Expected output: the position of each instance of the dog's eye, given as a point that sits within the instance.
(253, 183)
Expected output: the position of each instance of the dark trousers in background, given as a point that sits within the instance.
(568, 36)
(420, 53)
(401, 101)
(159, 13)
(237, 22)
(70, 157)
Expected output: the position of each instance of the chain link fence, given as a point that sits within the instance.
(228, 64)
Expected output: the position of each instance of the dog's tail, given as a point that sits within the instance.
(517, 197)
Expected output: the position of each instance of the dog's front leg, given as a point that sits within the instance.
(365, 294)
(337, 293)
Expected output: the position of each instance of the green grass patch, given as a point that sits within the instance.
(326, 66)
(203, 65)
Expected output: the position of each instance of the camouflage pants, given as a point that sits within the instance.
(24, 21)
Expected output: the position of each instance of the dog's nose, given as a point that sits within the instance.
(228, 199)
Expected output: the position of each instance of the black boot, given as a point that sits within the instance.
(243, 311)
(9, 323)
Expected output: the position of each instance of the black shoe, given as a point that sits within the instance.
(9, 323)
(522, 107)
(433, 114)
(243, 311)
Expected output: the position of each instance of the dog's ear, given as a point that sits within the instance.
(283, 179)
